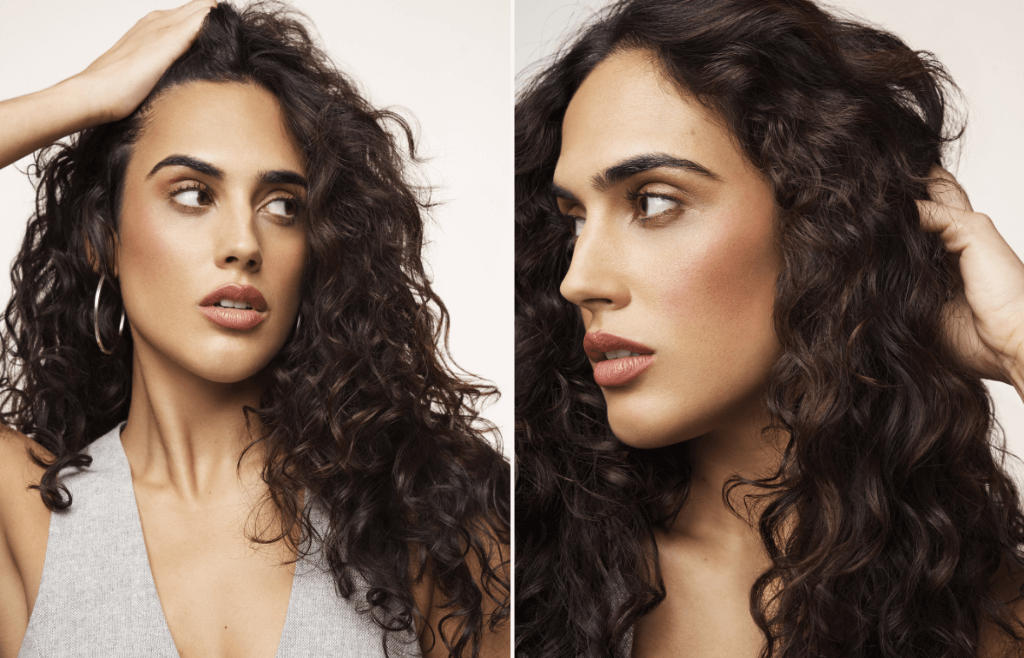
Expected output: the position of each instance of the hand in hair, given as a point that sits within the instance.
(123, 76)
(108, 90)
(985, 323)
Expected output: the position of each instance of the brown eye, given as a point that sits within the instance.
(651, 205)
(193, 197)
(286, 207)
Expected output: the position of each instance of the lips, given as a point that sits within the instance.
(616, 371)
(235, 318)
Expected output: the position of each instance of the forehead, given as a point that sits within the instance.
(626, 107)
(226, 123)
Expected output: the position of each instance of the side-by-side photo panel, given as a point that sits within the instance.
(256, 391)
(769, 329)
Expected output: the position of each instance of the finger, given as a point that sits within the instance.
(169, 17)
(159, 21)
(184, 27)
(957, 227)
(192, 5)
(936, 217)
(945, 189)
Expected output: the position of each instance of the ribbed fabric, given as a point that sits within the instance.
(97, 596)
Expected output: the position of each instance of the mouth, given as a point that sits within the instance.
(618, 361)
(603, 346)
(619, 354)
(235, 306)
(230, 303)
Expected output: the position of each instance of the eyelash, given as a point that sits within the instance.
(196, 186)
(188, 187)
(634, 197)
(570, 222)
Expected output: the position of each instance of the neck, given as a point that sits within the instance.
(737, 449)
(186, 434)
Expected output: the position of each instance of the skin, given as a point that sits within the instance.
(689, 272)
(221, 593)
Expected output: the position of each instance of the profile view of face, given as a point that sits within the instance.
(211, 198)
(675, 257)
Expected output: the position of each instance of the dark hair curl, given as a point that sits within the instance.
(362, 412)
(891, 515)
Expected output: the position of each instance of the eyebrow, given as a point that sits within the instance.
(637, 165)
(274, 177)
(645, 162)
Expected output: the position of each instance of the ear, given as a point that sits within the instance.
(114, 247)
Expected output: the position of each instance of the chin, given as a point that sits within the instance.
(230, 366)
(647, 428)
(222, 360)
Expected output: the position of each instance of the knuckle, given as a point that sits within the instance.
(981, 221)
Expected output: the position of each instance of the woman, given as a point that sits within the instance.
(750, 411)
(272, 457)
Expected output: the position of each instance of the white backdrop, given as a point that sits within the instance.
(978, 42)
(447, 65)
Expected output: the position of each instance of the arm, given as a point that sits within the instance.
(108, 90)
(24, 525)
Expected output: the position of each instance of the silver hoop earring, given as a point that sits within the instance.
(298, 322)
(96, 316)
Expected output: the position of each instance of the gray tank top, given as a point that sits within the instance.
(97, 596)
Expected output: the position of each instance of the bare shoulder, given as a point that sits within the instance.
(17, 472)
(496, 639)
(24, 526)
(994, 643)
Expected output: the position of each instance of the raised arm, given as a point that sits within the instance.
(108, 90)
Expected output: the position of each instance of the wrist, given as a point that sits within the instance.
(1014, 369)
(77, 102)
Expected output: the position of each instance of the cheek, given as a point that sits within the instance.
(289, 259)
(724, 287)
(152, 252)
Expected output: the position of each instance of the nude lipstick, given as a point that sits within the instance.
(235, 306)
(619, 360)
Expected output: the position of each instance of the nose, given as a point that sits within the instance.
(595, 278)
(237, 240)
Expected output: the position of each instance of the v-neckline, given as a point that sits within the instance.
(151, 581)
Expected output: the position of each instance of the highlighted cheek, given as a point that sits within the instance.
(722, 285)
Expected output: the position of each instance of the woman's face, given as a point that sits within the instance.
(675, 257)
(211, 198)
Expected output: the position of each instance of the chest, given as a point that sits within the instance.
(127, 573)
(220, 593)
(706, 612)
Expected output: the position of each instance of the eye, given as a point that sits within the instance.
(577, 225)
(284, 206)
(194, 196)
(652, 205)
